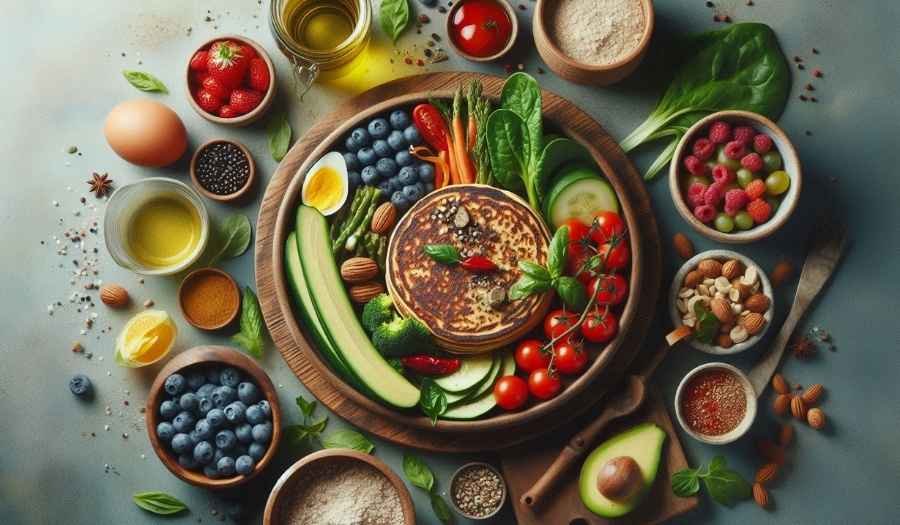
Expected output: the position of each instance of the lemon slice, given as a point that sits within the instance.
(146, 338)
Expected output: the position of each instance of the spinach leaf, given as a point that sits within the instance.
(144, 81)
(556, 259)
(525, 286)
(417, 472)
(394, 17)
(158, 503)
(348, 438)
(432, 400)
(230, 238)
(251, 334)
(440, 508)
(509, 147)
(572, 292)
(685, 483)
(522, 95)
(279, 135)
(442, 253)
(557, 152)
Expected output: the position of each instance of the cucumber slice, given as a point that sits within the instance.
(455, 398)
(579, 193)
(483, 404)
(470, 374)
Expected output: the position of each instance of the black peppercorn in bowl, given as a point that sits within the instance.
(223, 170)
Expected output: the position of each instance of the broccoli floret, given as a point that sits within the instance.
(402, 337)
(379, 310)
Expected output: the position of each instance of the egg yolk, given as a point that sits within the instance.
(324, 189)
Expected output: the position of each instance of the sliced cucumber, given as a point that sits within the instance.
(472, 371)
(483, 404)
(579, 193)
(455, 398)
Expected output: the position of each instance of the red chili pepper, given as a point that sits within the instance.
(478, 264)
(429, 365)
(431, 125)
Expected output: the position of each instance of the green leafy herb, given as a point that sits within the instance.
(741, 67)
(556, 259)
(534, 270)
(572, 292)
(251, 334)
(348, 438)
(509, 148)
(538, 279)
(394, 16)
(432, 399)
(306, 407)
(279, 135)
(417, 472)
(158, 503)
(230, 239)
(442, 253)
(144, 81)
(707, 324)
(527, 285)
(440, 508)
(724, 485)
(522, 95)
(685, 483)
(302, 436)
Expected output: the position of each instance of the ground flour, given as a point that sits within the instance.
(597, 32)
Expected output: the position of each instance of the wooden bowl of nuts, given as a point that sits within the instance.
(725, 299)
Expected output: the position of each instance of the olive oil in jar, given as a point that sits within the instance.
(320, 25)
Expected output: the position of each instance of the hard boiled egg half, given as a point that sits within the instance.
(325, 187)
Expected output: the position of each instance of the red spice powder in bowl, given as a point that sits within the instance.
(715, 403)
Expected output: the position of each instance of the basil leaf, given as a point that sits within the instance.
(298, 437)
(534, 270)
(394, 17)
(717, 463)
(442, 253)
(306, 407)
(556, 259)
(158, 503)
(707, 324)
(251, 334)
(685, 483)
(348, 438)
(525, 286)
(572, 292)
(231, 238)
(509, 146)
(440, 508)
(432, 399)
(726, 486)
(417, 472)
(144, 81)
(279, 130)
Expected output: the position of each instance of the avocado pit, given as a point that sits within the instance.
(620, 478)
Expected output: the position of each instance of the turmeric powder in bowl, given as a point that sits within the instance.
(209, 298)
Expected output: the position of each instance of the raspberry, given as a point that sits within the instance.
(719, 132)
(735, 200)
(762, 143)
(755, 189)
(694, 165)
(705, 213)
(735, 150)
(760, 210)
(695, 193)
(722, 174)
(714, 193)
(752, 161)
(704, 149)
(744, 134)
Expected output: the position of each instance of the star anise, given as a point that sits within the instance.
(803, 348)
(100, 184)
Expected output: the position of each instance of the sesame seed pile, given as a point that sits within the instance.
(714, 402)
(477, 491)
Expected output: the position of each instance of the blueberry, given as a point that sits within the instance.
(408, 176)
(386, 187)
(216, 418)
(203, 452)
(165, 431)
(426, 172)
(412, 192)
(205, 390)
(212, 375)
(225, 466)
(181, 443)
(244, 433)
(394, 184)
(399, 119)
(225, 439)
(218, 455)
(266, 408)
(234, 412)
(183, 422)
(81, 386)
(195, 380)
(248, 393)
(382, 149)
(361, 137)
(254, 415)
(386, 167)
(175, 384)
(411, 134)
(203, 429)
(230, 377)
(370, 176)
(195, 437)
(187, 461)
(168, 409)
(351, 161)
(379, 128)
(204, 405)
(262, 433)
(256, 451)
(244, 465)
(210, 471)
(399, 201)
(403, 158)
(189, 401)
(351, 145)
(353, 179)
(397, 141)
(366, 156)
(223, 395)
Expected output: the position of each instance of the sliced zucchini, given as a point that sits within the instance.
(472, 371)
(483, 404)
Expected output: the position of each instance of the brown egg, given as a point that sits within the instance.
(145, 132)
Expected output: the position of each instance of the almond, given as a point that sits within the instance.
(769, 451)
(114, 295)
(693, 279)
(710, 268)
(816, 418)
(812, 394)
(760, 496)
(384, 218)
(782, 273)
(724, 341)
(782, 404)
(758, 302)
(798, 408)
(725, 328)
(359, 270)
(753, 323)
(744, 290)
(363, 293)
(732, 269)
(786, 435)
(722, 311)
(780, 384)
(683, 246)
(766, 473)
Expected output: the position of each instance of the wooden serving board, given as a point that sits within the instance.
(522, 468)
(500, 431)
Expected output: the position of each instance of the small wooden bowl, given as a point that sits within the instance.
(204, 355)
(197, 274)
(791, 165)
(514, 33)
(579, 72)
(301, 467)
(258, 111)
(231, 197)
(741, 428)
(459, 471)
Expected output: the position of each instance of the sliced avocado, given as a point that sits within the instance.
(483, 404)
(579, 192)
(643, 444)
(338, 318)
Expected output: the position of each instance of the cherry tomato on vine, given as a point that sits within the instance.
(607, 225)
(600, 326)
(578, 231)
(511, 392)
(542, 384)
(570, 359)
(558, 321)
(613, 289)
(616, 257)
(576, 263)
(530, 355)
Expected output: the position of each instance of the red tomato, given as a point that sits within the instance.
(600, 326)
(577, 232)
(481, 28)
(431, 125)
(607, 225)
(570, 359)
(615, 257)
(542, 384)
(558, 321)
(511, 392)
(613, 289)
(575, 263)
(530, 355)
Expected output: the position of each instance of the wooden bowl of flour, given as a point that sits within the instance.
(554, 32)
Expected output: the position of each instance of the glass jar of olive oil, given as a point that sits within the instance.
(320, 37)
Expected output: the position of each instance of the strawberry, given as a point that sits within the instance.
(215, 86)
(258, 75)
(197, 78)
(248, 52)
(244, 100)
(227, 111)
(208, 101)
(198, 61)
(227, 63)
